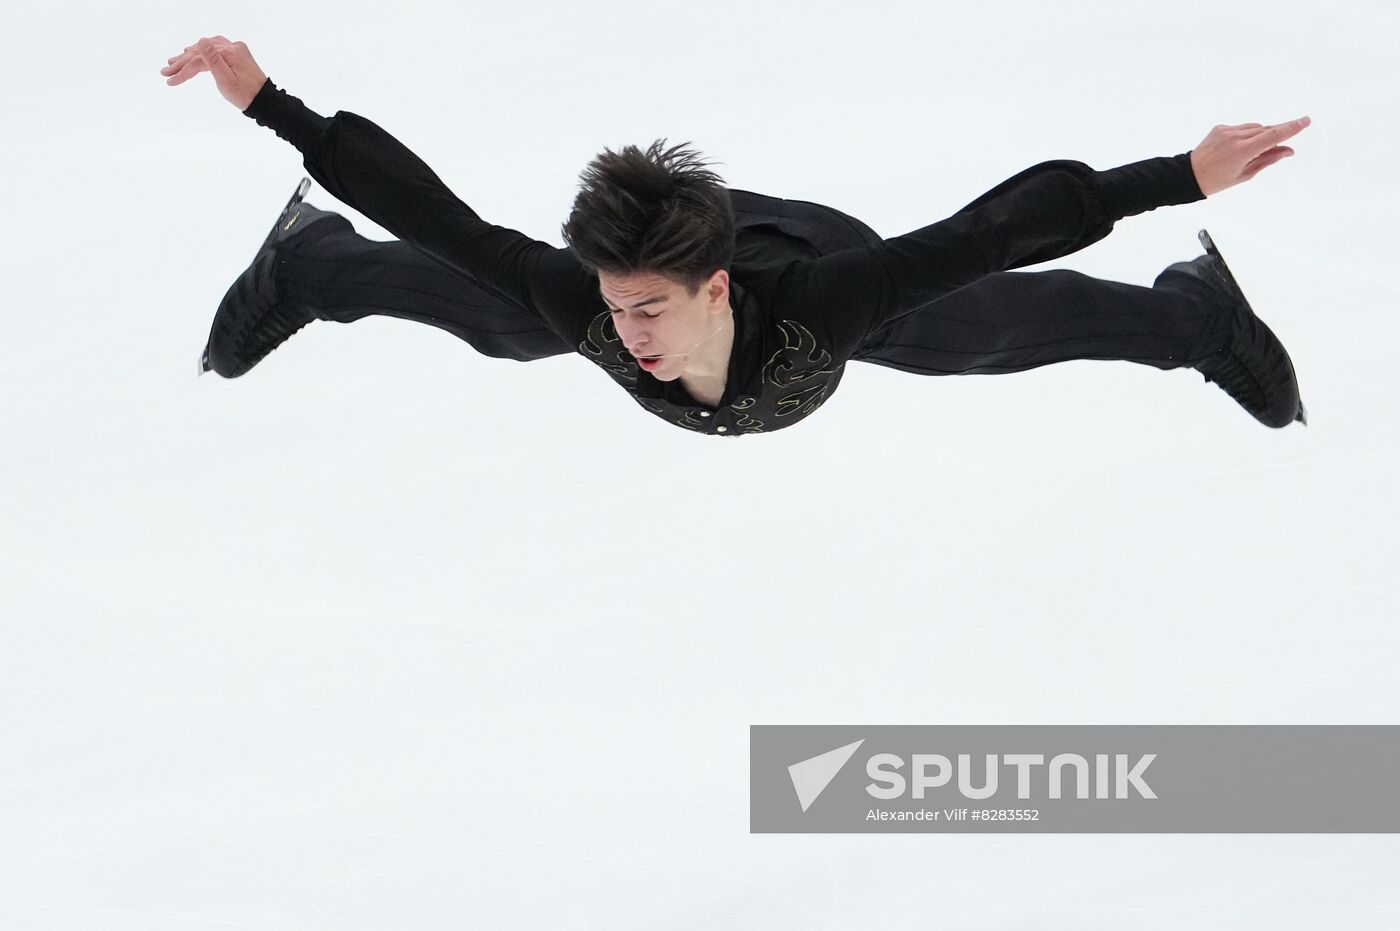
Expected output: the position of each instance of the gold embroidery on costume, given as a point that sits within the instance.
(800, 359)
(690, 421)
(745, 423)
(803, 401)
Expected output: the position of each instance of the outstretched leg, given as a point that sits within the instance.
(1014, 321)
(343, 276)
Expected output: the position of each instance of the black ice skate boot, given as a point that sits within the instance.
(1251, 366)
(251, 321)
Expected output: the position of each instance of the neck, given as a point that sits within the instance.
(707, 370)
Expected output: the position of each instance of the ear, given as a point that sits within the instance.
(717, 288)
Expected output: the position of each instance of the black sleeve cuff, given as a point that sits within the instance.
(287, 116)
(1146, 185)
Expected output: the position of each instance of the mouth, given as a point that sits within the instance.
(648, 362)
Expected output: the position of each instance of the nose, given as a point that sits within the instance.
(632, 336)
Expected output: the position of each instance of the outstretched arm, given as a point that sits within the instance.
(365, 167)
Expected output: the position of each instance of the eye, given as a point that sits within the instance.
(618, 310)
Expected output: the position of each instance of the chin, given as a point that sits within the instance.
(672, 367)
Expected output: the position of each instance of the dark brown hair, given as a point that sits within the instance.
(660, 211)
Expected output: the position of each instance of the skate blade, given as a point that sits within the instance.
(1223, 269)
(303, 186)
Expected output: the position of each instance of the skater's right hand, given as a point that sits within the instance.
(238, 77)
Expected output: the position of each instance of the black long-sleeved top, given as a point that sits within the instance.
(796, 323)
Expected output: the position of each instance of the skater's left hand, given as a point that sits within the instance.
(236, 74)
(1231, 154)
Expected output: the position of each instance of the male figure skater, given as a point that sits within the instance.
(728, 312)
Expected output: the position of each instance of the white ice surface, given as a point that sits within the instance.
(390, 635)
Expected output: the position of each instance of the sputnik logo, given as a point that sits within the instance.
(810, 777)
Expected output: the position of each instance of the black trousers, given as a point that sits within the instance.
(1006, 322)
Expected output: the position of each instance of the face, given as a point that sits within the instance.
(661, 323)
